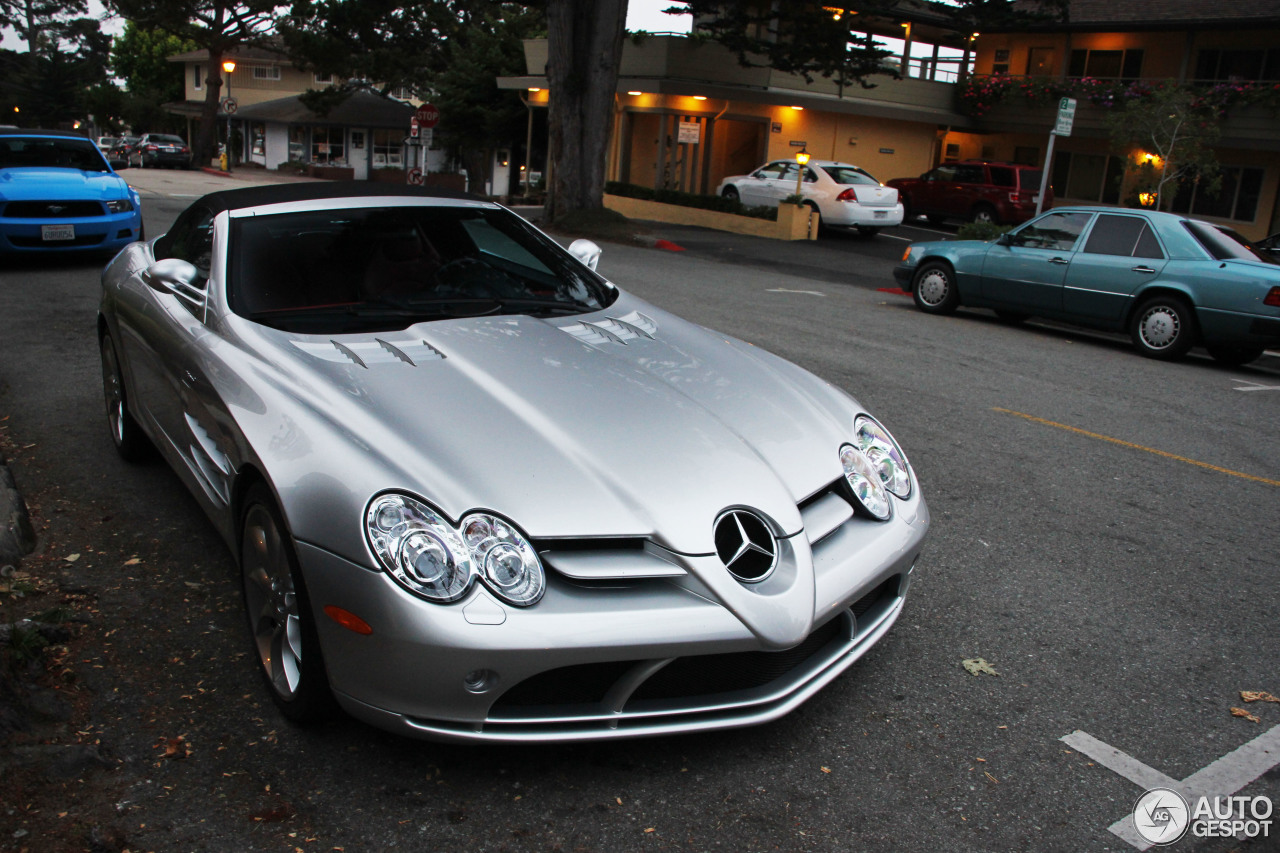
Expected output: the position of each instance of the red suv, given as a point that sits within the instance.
(974, 190)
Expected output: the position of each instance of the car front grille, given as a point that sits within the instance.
(53, 209)
(38, 243)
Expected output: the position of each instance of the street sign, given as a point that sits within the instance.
(415, 177)
(229, 105)
(689, 132)
(1066, 116)
(413, 127)
(427, 115)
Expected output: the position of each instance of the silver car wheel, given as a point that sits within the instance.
(933, 287)
(272, 602)
(1160, 327)
(113, 391)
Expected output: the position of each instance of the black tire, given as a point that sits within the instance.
(933, 288)
(731, 193)
(1234, 355)
(1011, 316)
(282, 625)
(868, 230)
(130, 441)
(907, 214)
(935, 219)
(984, 213)
(1163, 327)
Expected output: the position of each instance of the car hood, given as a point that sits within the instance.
(34, 183)
(625, 422)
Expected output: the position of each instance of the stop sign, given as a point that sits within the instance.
(427, 115)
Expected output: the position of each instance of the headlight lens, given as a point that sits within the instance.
(430, 557)
(120, 205)
(507, 562)
(865, 482)
(884, 455)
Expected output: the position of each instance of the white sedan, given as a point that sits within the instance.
(843, 194)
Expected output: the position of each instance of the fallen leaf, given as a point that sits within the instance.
(826, 770)
(992, 778)
(71, 558)
(978, 666)
(1257, 696)
(650, 829)
(1241, 712)
(132, 562)
(619, 799)
(175, 747)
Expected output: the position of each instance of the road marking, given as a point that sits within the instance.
(1222, 778)
(1133, 446)
(785, 290)
(1257, 386)
(896, 237)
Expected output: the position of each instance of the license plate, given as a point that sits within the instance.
(57, 232)
(1035, 199)
(881, 214)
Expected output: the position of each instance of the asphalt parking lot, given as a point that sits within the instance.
(1104, 541)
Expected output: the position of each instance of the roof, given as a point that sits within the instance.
(360, 109)
(22, 131)
(246, 197)
(1161, 14)
(246, 54)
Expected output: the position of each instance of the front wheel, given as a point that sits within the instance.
(934, 288)
(131, 443)
(1163, 327)
(731, 194)
(280, 616)
(1234, 355)
(985, 214)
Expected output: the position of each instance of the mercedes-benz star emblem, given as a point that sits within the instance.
(746, 545)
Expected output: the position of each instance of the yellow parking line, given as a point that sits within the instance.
(1138, 447)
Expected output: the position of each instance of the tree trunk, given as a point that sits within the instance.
(584, 49)
(206, 141)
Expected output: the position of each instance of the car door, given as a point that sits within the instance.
(929, 192)
(1120, 255)
(757, 189)
(967, 186)
(1025, 270)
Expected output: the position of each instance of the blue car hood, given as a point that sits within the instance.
(26, 183)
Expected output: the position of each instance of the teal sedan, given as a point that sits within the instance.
(1168, 281)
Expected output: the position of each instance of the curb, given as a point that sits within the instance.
(17, 537)
(209, 170)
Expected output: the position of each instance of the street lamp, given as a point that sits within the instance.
(228, 66)
(802, 157)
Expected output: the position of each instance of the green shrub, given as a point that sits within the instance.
(985, 231)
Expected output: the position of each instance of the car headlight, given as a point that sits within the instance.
(865, 482)
(432, 558)
(884, 454)
(120, 205)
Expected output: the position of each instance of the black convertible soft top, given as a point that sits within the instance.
(311, 191)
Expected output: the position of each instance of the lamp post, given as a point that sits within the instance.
(802, 157)
(228, 66)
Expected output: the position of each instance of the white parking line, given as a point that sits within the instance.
(785, 290)
(896, 237)
(1256, 386)
(1222, 778)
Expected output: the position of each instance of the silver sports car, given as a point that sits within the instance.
(478, 492)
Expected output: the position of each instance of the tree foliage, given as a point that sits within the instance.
(217, 26)
(140, 57)
(1169, 137)
(66, 57)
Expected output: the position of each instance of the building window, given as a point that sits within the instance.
(1040, 62)
(1087, 177)
(1106, 64)
(326, 145)
(258, 138)
(323, 79)
(1236, 199)
(1238, 64)
(402, 93)
(388, 148)
(266, 72)
(198, 82)
(1028, 155)
(297, 144)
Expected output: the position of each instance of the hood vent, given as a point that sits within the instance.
(615, 330)
(368, 353)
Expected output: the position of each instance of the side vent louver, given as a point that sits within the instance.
(614, 330)
(366, 354)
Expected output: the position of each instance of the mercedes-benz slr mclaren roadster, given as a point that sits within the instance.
(479, 493)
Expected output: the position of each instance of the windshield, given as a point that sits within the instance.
(849, 175)
(1224, 244)
(51, 153)
(383, 268)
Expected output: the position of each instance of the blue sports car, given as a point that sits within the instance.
(1169, 281)
(58, 193)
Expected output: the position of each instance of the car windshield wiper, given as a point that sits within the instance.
(425, 309)
(499, 305)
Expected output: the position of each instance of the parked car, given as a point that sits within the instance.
(974, 191)
(58, 193)
(160, 149)
(843, 194)
(1168, 280)
(120, 151)
(104, 143)
(478, 492)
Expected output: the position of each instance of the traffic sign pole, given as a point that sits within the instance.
(1066, 118)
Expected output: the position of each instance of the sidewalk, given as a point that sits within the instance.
(177, 183)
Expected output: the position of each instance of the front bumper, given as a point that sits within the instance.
(605, 659)
(903, 274)
(97, 234)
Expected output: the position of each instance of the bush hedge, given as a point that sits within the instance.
(683, 199)
(985, 231)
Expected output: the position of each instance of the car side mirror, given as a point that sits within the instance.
(1006, 239)
(587, 252)
(173, 275)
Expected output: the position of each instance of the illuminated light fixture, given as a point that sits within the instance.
(974, 36)
(798, 109)
(348, 620)
(802, 156)
(1146, 199)
(229, 66)
(534, 89)
(836, 12)
(635, 93)
(699, 97)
